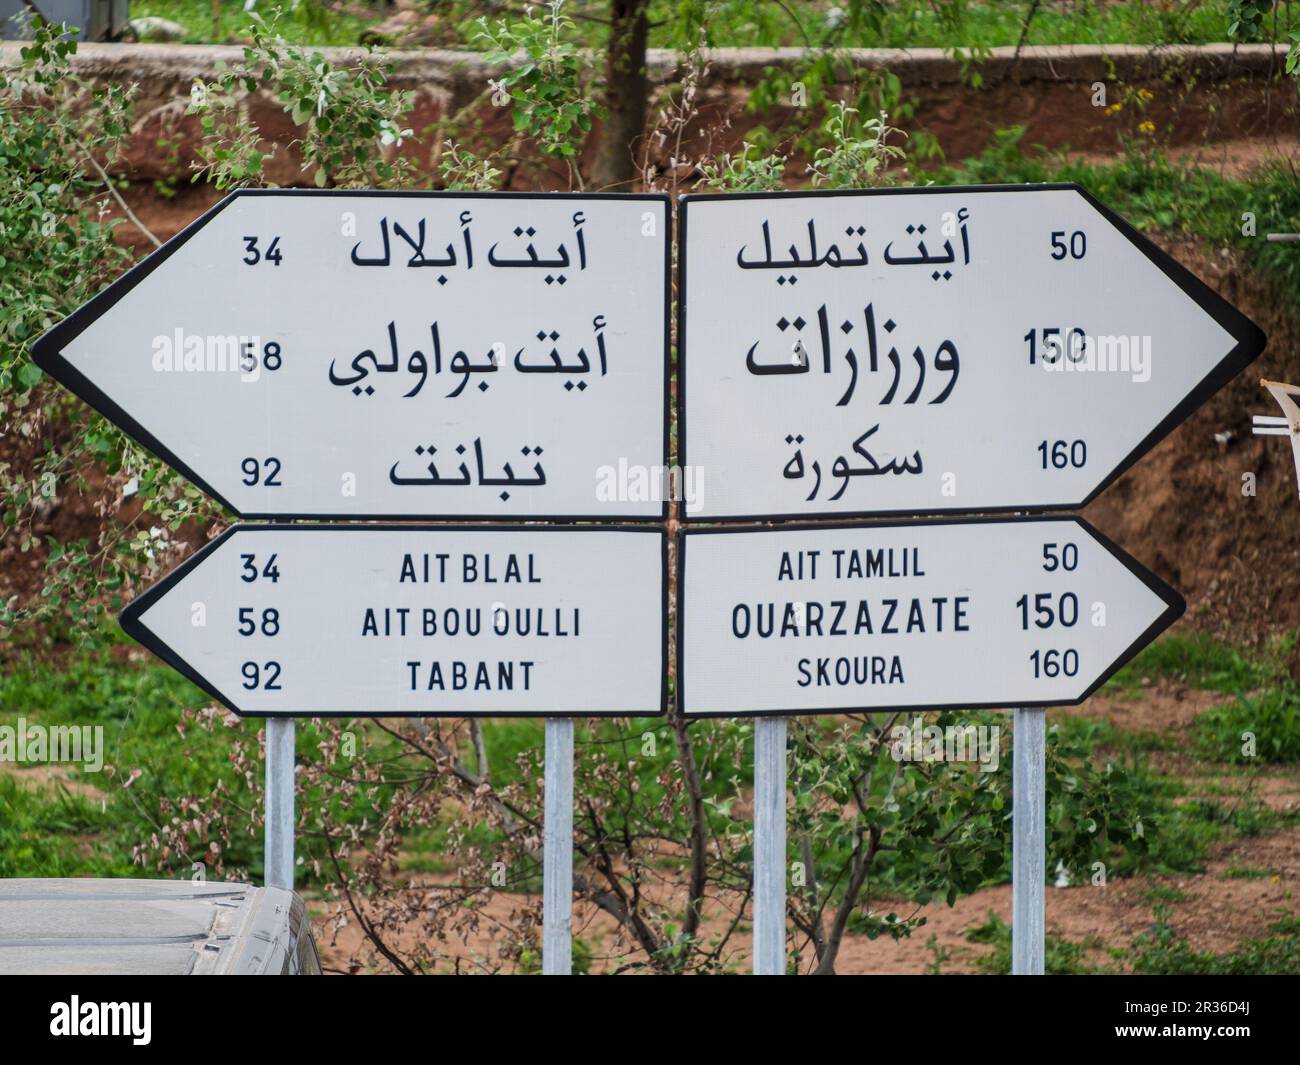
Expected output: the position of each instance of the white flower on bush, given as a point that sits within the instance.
(330, 85)
(391, 134)
(148, 543)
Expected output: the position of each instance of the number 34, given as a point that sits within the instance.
(255, 255)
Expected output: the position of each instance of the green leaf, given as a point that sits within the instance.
(29, 374)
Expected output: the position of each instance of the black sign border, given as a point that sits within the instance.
(1175, 606)
(1250, 343)
(47, 350)
(130, 618)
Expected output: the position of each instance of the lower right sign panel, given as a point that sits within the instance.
(931, 615)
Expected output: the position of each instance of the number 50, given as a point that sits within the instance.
(1077, 247)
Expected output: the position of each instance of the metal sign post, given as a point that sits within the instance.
(1028, 841)
(769, 845)
(557, 848)
(279, 830)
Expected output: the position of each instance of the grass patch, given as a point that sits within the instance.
(1107, 804)
(138, 706)
(1199, 661)
(1062, 957)
(174, 768)
(1253, 728)
(1103, 734)
(1161, 953)
(303, 21)
(1240, 819)
(1239, 872)
(1156, 953)
(177, 768)
(53, 832)
(977, 24)
(1156, 193)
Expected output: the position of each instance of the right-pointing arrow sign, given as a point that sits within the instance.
(933, 350)
(827, 619)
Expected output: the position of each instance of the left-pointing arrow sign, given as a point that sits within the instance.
(367, 355)
(448, 621)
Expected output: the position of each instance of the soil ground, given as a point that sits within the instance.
(1246, 884)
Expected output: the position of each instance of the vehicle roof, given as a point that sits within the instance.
(122, 927)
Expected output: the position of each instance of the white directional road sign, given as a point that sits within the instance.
(994, 613)
(933, 350)
(387, 620)
(367, 354)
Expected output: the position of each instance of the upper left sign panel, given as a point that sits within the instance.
(320, 354)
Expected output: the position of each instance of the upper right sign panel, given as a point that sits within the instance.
(932, 350)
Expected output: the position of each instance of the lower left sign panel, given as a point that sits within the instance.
(383, 620)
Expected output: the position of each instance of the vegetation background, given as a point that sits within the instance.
(419, 840)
